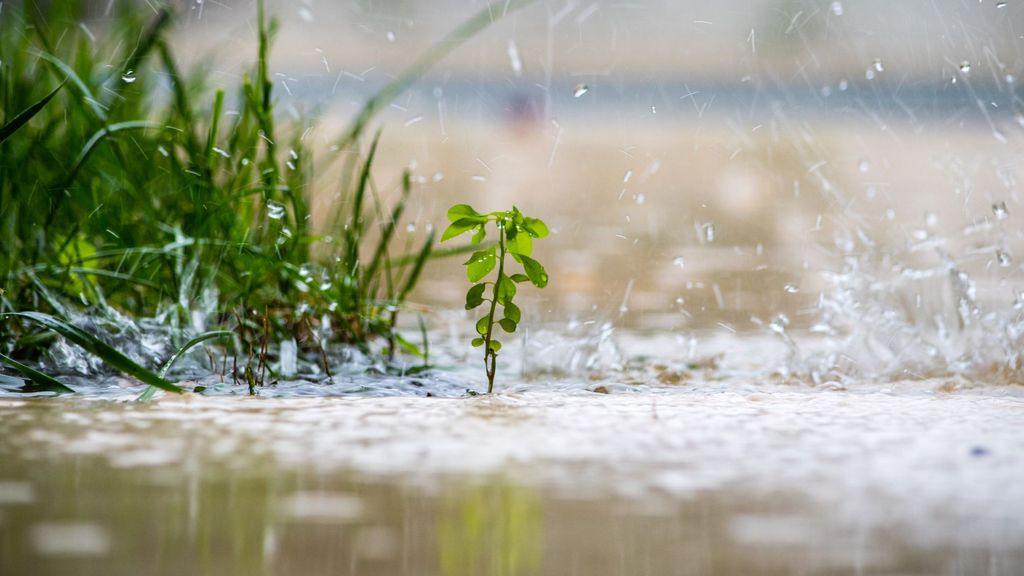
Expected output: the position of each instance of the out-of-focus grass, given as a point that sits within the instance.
(128, 184)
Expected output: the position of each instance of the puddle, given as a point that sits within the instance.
(716, 471)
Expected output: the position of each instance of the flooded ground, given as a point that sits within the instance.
(782, 333)
(650, 467)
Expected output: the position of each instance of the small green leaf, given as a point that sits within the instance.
(475, 296)
(506, 290)
(521, 244)
(507, 324)
(535, 227)
(479, 236)
(482, 325)
(480, 264)
(520, 278)
(535, 271)
(478, 342)
(460, 226)
(513, 313)
(495, 346)
(461, 211)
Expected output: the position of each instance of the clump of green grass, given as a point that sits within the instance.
(515, 237)
(114, 196)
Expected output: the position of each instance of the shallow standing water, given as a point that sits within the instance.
(646, 468)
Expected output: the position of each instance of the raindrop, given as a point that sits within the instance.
(931, 219)
(391, 36)
(1003, 258)
(1010, 78)
(410, 228)
(680, 301)
(864, 166)
(679, 262)
(129, 77)
(629, 174)
(709, 232)
(513, 58)
(654, 109)
(877, 65)
(791, 288)
(869, 74)
(965, 67)
(837, 8)
(779, 324)
(1000, 4)
(580, 90)
(999, 209)
(640, 199)
(275, 210)
(843, 85)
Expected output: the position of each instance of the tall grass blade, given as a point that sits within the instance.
(95, 346)
(70, 74)
(11, 127)
(417, 268)
(46, 382)
(484, 18)
(148, 394)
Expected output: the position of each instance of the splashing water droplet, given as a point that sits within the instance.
(965, 67)
(999, 209)
(275, 210)
(837, 8)
(779, 324)
(129, 77)
(580, 90)
(513, 58)
(679, 262)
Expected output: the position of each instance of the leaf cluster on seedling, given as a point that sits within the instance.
(515, 235)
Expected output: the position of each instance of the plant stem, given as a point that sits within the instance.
(490, 356)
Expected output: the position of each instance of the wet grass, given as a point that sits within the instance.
(131, 189)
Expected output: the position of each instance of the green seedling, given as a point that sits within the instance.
(515, 236)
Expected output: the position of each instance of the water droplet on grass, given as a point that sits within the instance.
(275, 210)
(129, 77)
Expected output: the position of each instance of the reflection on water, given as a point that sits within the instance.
(678, 473)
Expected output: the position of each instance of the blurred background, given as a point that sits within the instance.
(704, 164)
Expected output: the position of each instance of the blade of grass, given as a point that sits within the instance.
(148, 394)
(95, 346)
(70, 74)
(47, 382)
(11, 127)
(484, 18)
(421, 259)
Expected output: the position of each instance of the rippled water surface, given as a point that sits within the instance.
(648, 467)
